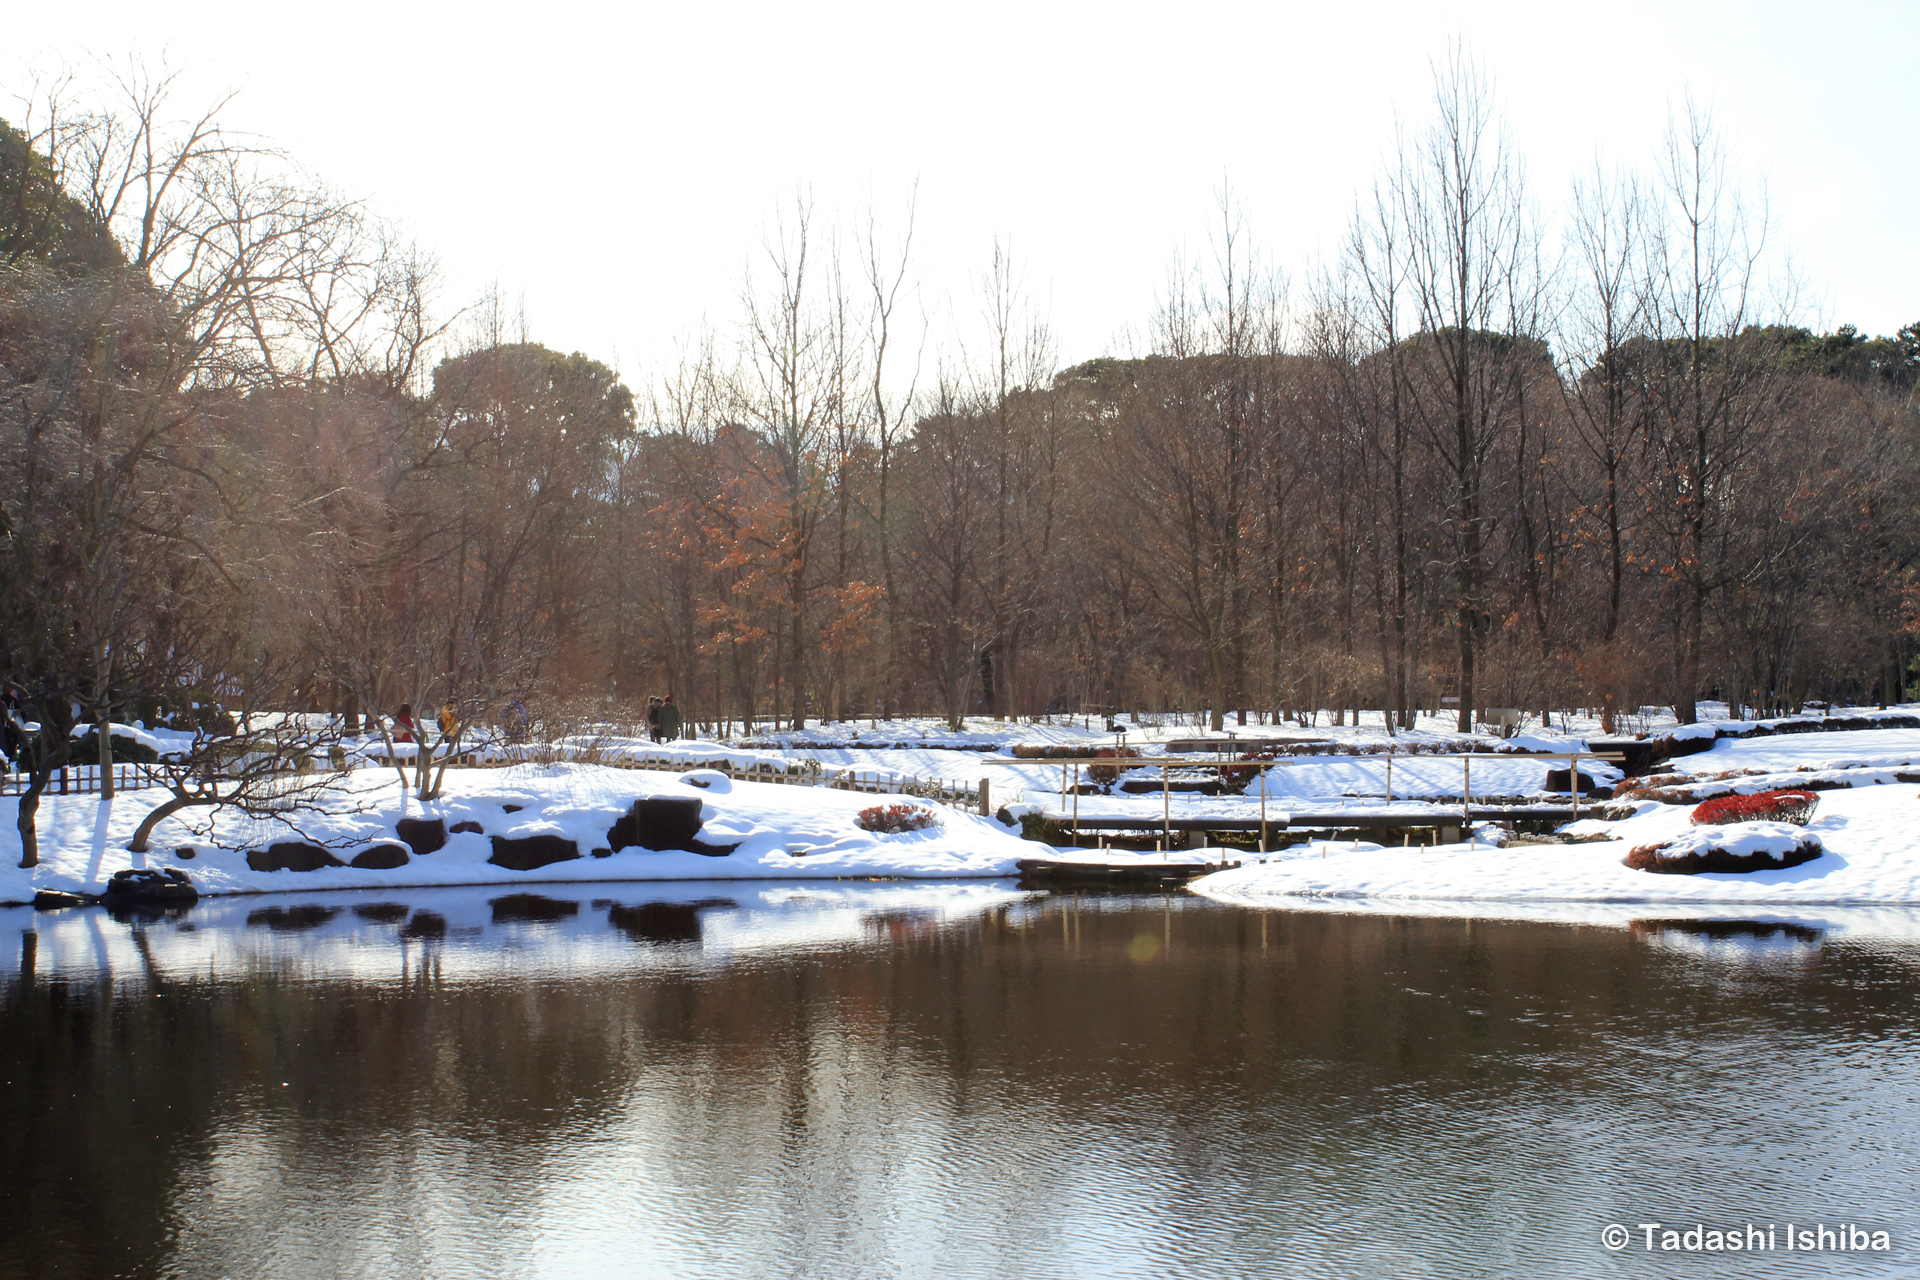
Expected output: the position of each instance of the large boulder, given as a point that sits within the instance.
(291, 855)
(662, 823)
(422, 835)
(151, 887)
(1560, 782)
(530, 852)
(143, 895)
(382, 857)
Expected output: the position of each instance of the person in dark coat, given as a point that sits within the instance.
(13, 735)
(669, 721)
(653, 718)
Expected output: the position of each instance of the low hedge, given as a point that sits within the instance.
(893, 819)
(1788, 804)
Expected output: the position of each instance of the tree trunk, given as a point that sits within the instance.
(1693, 623)
(104, 725)
(29, 835)
(798, 657)
(39, 778)
(141, 833)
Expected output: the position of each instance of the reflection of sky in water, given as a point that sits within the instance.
(887, 1079)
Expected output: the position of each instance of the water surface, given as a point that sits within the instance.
(886, 1079)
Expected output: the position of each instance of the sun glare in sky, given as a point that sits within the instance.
(615, 169)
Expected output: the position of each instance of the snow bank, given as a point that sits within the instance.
(1870, 857)
(780, 832)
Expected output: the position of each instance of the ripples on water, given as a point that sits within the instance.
(885, 1079)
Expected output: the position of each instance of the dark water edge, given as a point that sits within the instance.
(855, 1080)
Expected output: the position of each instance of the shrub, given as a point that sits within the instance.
(1241, 777)
(125, 750)
(1794, 806)
(892, 819)
(1039, 827)
(1107, 773)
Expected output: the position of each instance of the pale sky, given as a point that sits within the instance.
(615, 167)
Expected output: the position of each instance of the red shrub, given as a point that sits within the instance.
(1793, 806)
(1105, 773)
(1241, 777)
(892, 819)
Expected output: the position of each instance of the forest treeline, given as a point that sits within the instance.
(1469, 460)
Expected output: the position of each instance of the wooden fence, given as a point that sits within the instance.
(84, 779)
(954, 792)
(80, 780)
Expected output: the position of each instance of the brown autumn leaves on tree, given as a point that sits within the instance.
(1480, 457)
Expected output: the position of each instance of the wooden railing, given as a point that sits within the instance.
(1117, 765)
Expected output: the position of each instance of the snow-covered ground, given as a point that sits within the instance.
(1872, 857)
(1867, 818)
(1809, 752)
(782, 832)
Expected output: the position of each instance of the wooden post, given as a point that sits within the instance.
(1389, 774)
(1573, 767)
(986, 798)
(1466, 799)
(1261, 776)
(1166, 804)
(1076, 806)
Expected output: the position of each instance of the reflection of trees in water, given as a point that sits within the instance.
(1314, 1029)
(122, 1096)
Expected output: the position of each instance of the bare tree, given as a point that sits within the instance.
(886, 277)
(1607, 315)
(1708, 377)
(1469, 237)
(794, 389)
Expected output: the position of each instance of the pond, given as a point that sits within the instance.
(849, 1079)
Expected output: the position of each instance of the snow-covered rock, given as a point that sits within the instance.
(1736, 847)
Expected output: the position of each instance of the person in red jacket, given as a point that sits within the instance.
(404, 729)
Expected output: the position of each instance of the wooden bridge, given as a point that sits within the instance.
(1446, 822)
